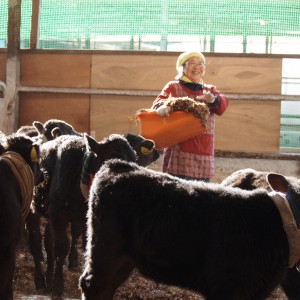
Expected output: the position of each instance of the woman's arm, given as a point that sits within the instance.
(167, 92)
(221, 102)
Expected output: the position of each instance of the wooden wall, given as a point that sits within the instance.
(247, 125)
(73, 108)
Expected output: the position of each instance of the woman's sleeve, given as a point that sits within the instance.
(167, 91)
(221, 103)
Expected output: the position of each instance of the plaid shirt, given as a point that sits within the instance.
(195, 157)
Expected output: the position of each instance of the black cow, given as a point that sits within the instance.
(144, 148)
(250, 179)
(61, 200)
(51, 129)
(28, 130)
(54, 128)
(19, 169)
(41, 133)
(223, 242)
(48, 131)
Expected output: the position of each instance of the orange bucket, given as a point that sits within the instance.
(167, 131)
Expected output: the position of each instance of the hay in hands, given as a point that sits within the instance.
(199, 109)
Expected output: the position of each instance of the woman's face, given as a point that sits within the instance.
(194, 69)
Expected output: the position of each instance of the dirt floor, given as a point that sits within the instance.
(136, 287)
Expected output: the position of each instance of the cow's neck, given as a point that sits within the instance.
(289, 226)
(24, 177)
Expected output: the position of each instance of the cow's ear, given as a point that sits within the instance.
(39, 127)
(56, 132)
(34, 154)
(278, 182)
(147, 146)
(90, 142)
(146, 151)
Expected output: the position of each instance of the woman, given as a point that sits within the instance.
(193, 158)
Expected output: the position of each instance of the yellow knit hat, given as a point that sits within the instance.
(183, 57)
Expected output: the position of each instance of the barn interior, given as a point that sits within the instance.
(94, 64)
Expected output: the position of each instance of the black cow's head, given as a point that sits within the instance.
(28, 149)
(145, 149)
(114, 146)
(28, 130)
(54, 128)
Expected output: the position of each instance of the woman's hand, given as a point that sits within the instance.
(163, 110)
(207, 96)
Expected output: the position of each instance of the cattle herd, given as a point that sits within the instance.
(237, 240)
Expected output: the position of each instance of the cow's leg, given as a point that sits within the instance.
(78, 228)
(61, 247)
(7, 292)
(83, 236)
(50, 257)
(35, 246)
(7, 265)
(291, 284)
(73, 255)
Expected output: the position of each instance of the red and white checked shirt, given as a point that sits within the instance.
(194, 157)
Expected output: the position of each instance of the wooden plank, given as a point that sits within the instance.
(249, 126)
(55, 70)
(132, 71)
(71, 108)
(116, 114)
(229, 74)
(249, 75)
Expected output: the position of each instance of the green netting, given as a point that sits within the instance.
(25, 23)
(3, 23)
(82, 24)
(290, 131)
(99, 23)
(118, 17)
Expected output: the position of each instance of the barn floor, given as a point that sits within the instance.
(135, 288)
